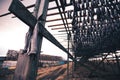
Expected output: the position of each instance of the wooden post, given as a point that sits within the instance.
(41, 16)
(68, 36)
(75, 63)
(27, 65)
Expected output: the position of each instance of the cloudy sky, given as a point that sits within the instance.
(12, 32)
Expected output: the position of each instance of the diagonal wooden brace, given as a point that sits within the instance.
(19, 10)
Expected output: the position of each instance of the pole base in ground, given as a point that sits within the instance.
(26, 68)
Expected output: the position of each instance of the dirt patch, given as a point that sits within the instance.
(51, 73)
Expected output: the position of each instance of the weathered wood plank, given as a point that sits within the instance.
(27, 65)
(19, 10)
(25, 69)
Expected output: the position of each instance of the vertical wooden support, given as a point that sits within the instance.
(68, 57)
(103, 64)
(112, 66)
(97, 66)
(67, 67)
(27, 65)
(26, 68)
(41, 17)
(75, 63)
(117, 62)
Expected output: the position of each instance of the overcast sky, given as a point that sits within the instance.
(12, 32)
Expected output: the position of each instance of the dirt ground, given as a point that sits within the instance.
(48, 73)
(52, 73)
(59, 73)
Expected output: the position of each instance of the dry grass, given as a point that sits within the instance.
(60, 72)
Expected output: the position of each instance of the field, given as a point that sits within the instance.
(58, 73)
(52, 73)
(47, 73)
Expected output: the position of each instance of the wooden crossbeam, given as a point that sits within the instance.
(59, 19)
(19, 10)
(60, 28)
(32, 5)
(54, 25)
(63, 30)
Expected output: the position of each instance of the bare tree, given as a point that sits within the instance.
(12, 55)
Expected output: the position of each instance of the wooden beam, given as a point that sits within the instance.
(25, 66)
(53, 20)
(19, 10)
(30, 6)
(54, 25)
(59, 28)
(63, 30)
(60, 34)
